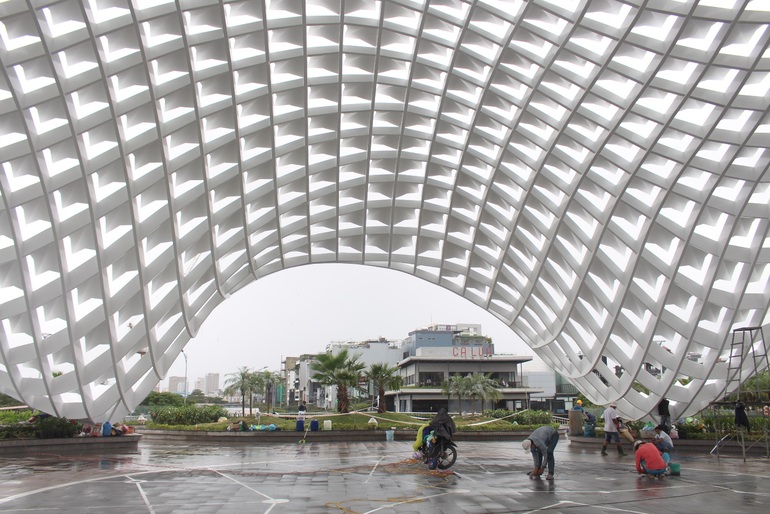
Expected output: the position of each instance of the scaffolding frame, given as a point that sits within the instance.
(747, 358)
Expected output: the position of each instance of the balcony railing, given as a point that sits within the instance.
(566, 389)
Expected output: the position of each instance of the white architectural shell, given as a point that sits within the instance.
(595, 174)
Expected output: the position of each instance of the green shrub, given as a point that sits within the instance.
(47, 427)
(533, 417)
(498, 413)
(723, 421)
(187, 415)
(527, 418)
(52, 427)
(9, 417)
(27, 431)
(690, 428)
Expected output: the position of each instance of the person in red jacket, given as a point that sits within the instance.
(649, 460)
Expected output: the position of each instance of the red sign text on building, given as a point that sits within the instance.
(473, 352)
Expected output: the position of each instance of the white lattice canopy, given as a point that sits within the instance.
(593, 173)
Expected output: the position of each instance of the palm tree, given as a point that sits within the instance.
(492, 392)
(267, 382)
(240, 381)
(339, 370)
(254, 385)
(475, 387)
(446, 388)
(482, 386)
(383, 377)
(458, 385)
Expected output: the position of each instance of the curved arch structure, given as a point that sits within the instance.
(593, 173)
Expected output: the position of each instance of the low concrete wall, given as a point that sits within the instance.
(113, 444)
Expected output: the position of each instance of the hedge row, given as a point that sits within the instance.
(188, 415)
(42, 428)
(528, 417)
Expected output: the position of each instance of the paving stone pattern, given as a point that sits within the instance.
(369, 477)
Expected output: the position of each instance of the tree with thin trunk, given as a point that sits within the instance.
(268, 381)
(458, 385)
(254, 385)
(240, 381)
(383, 378)
(446, 388)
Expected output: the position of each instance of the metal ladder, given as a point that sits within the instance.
(744, 345)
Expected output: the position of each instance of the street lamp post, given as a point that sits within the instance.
(264, 398)
(185, 376)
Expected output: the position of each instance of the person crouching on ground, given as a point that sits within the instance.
(662, 440)
(649, 460)
(541, 444)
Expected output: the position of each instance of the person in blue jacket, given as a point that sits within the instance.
(579, 406)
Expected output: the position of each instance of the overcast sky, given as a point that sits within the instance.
(301, 310)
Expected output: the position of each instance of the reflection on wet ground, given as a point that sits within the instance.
(360, 477)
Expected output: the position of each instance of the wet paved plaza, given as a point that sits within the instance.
(369, 477)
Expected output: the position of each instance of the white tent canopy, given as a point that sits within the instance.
(595, 174)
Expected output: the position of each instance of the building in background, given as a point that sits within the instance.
(426, 359)
(299, 377)
(442, 336)
(308, 390)
(426, 373)
(177, 385)
(290, 378)
(538, 375)
(212, 385)
(432, 355)
(372, 351)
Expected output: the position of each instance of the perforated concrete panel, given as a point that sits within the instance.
(593, 173)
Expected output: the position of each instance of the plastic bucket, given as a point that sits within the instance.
(327, 424)
(676, 468)
(390, 435)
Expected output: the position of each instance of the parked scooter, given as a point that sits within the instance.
(437, 448)
(438, 452)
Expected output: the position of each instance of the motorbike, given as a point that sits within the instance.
(439, 452)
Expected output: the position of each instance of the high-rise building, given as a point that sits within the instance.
(177, 385)
(211, 386)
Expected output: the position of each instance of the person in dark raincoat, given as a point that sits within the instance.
(442, 425)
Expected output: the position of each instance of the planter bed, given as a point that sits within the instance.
(113, 444)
